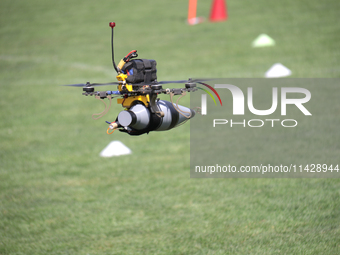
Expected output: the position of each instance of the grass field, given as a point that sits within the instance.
(57, 196)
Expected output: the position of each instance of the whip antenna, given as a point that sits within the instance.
(112, 25)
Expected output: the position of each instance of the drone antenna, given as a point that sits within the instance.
(112, 25)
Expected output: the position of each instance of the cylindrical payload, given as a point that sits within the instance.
(140, 120)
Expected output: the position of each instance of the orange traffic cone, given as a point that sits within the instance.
(218, 11)
(192, 19)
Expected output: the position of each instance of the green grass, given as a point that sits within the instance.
(57, 196)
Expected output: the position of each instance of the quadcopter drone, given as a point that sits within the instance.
(137, 92)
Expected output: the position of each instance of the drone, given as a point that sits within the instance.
(138, 91)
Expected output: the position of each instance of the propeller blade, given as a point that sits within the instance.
(184, 81)
(77, 85)
(104, 84)
(92, 84)
(158, 82)
(167, 82)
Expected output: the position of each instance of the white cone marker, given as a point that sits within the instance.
(115, 148)
(278, 70)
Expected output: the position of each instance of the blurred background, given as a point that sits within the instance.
(57, 196)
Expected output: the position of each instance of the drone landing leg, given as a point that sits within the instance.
(154, 107)
(106, 108)
(177, 108)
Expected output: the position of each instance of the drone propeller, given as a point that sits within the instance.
(169, 82)
(92, 84)
(185, 81)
